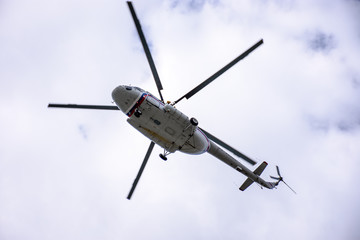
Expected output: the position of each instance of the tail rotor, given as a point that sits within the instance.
(280, 179)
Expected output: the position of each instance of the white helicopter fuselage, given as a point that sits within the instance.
(174, 131)
(161, 123)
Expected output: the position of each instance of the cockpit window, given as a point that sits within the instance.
(128, 88)
(141, 90)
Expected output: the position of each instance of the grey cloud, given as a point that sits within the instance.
(83, 131)
(347, 126)
(318, 124)
(193, 5)
(355, 82)
(321, 42)
(345, 123)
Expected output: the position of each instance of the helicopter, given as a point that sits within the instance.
(168, 127)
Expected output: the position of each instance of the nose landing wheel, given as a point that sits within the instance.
(163, 155)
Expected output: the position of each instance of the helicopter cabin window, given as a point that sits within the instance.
(139, 89)
(153, 101)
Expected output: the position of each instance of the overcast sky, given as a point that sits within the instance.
(293, 102)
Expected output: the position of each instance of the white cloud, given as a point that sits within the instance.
(66, 173)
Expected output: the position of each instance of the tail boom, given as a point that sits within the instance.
(220, 154)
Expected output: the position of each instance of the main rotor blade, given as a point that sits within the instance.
(146, 49)
(98, 107)
(226, 146)
(141, 169)
(218, 73)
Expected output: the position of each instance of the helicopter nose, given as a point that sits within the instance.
(118, 95)
(118, 92)
(124, 97)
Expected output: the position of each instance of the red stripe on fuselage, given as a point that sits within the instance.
(137, 104)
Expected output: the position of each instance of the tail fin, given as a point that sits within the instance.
(257, 172)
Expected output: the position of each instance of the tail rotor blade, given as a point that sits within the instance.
(141, 170)
(278, 171)
(146, 49)
(288, 186)
(276, 178)
(280, 179)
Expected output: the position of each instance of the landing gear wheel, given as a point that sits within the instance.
(194, 122)
(162, 156)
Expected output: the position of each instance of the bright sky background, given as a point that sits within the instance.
(294, 102)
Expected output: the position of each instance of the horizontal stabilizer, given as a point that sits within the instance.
(257, 172)
(246, 184)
